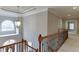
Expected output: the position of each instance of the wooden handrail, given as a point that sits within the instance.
(23, 41)
(32, 48)
(11, 44)
(49, 35)
(41, 38)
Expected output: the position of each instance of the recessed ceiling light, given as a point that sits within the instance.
(74, 8)
(68, 15)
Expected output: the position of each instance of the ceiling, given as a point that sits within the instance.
(65, 11)
(61, 11)
(20, 9)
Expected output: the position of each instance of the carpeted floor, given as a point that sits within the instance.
(71, 44)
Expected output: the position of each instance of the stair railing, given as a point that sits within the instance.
(21, 46)
(52, 42)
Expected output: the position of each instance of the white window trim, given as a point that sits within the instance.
(17, 32)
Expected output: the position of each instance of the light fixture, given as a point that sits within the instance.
(74, 8)
(18, 22)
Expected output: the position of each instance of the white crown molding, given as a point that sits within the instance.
(28, 10)
(37, 10)
(8, 13)
(25, 13)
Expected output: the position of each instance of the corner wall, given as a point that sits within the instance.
(54, 23)
(40, 23)
(33, 25)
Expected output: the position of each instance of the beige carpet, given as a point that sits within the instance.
(71, 44)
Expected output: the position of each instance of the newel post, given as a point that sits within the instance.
(40, 41)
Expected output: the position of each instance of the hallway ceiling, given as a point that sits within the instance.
(65, 12)
(60, 11)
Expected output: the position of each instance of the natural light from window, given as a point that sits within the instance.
(7, 25)
(71, 26)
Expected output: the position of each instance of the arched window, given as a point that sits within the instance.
(9, 28)
(7, 25)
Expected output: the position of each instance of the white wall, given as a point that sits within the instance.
(33, 25)
(43, 23)
(54, 23)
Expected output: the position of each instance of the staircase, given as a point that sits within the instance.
(21, 46)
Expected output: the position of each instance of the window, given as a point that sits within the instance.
(71, 26)
(8, 28)
(7, 25)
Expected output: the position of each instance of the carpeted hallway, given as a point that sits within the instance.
(71, 44)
